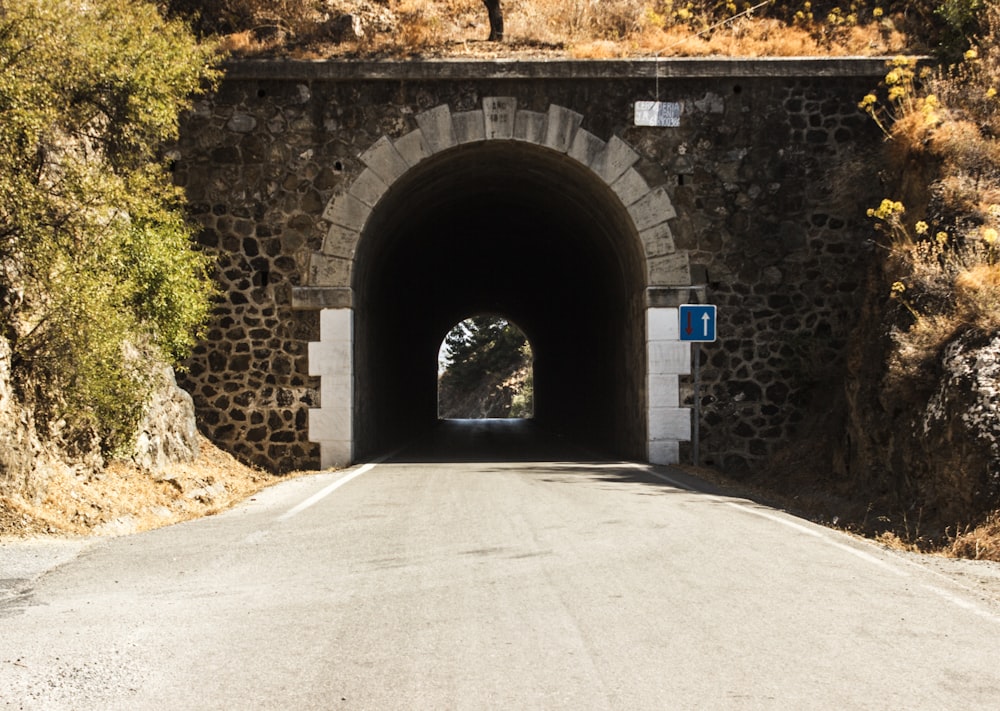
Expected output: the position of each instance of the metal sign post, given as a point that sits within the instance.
(697, 326)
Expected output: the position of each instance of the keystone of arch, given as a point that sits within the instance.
(440, 129)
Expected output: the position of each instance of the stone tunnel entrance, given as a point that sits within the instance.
(506, 228)
(499, 211)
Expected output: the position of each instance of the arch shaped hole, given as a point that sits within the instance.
(485, 370)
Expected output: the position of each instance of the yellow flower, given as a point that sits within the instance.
(877, 12)
(867, 102)
(920, 227)
(971, 54)
(892, 77)
(989, 235)
(991, 92)
(942, 238)
(898, 287)
(896, 92)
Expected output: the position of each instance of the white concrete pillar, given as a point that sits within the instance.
(332, 359)
(667, 358)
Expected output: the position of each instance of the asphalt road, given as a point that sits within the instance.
(484, 572)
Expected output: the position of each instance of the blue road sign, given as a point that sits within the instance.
(698, 322)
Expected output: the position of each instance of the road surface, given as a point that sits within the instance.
(492, 574)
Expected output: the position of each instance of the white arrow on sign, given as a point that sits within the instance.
(705, 320)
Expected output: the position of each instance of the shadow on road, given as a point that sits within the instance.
(559, 458)
(493, 440)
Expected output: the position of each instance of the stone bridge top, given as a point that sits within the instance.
(645, 68)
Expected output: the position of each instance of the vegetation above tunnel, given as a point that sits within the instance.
(584, 29)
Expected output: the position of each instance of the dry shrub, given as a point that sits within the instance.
(980, 543)
(244, 44)
(921, 346)
(599, 49)
(960, 192)
(977, 292)
(419, 25)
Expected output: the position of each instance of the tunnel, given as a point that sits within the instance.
(523, 232)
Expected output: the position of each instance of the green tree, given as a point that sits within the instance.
(98, 275)
(482, 345)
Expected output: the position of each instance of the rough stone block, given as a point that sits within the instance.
(469, 126)
(438, 130)
(335, 454)
(329, 271)
(336, 392)
(586, 147)
(668, 358)
(340, 242)
(385, 160)
(665, 452)
(662, 325)
(658, 240)
(347, 211)
(669, 270)
(241, 123)
(330, 423)
(664, 391)
(630, 187)
(329, 358)
(317, 298)
(561, 127)
(531, 126)
(669, 423)
(500, 113)
(666, 297)
(413, 147)
(368, 188)
(336, 325)
(616, 158)
(653, 209)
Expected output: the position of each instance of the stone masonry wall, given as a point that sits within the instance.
(766, 173)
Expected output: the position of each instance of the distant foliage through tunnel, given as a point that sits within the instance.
(485, 371)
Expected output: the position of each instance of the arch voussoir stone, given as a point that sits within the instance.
(385, 160)
(413, 147)
(561, 128)
(500, 113)
(658, 240)
(652, 209)
(531, 126)
(437, 127)
(468, 126)
(340, 242)
(630, 187)
(368, 187)
(586, 148)
(617, 158)
(347, 211)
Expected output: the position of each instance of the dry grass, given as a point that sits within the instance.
(980, 543)
(122, 499)
(581, 29)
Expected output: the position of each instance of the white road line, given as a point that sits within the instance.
(320, 495)
(825, 537)
(964, 604)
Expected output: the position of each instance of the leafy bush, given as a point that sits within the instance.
(97, 271)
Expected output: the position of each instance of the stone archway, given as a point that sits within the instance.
(605, 167)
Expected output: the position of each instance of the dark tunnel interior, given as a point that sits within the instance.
(513, 230)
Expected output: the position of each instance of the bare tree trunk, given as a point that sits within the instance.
(496, 20)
